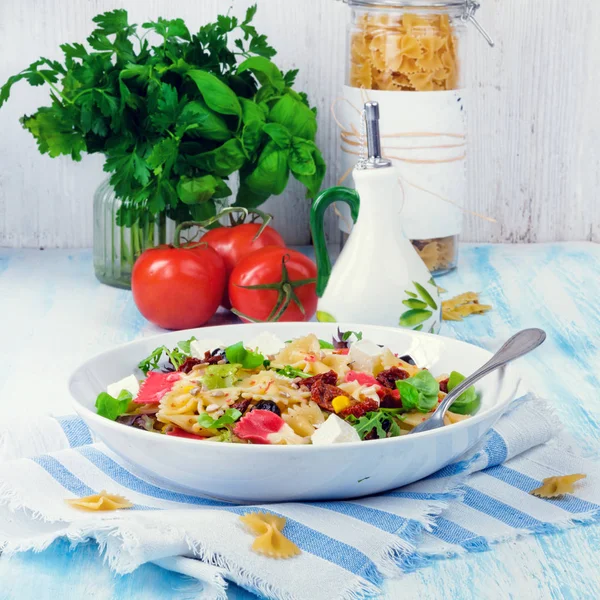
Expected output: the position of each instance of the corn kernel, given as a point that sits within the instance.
(340, 403)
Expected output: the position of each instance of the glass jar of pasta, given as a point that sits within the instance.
(409, 57)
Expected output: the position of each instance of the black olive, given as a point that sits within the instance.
(408, 359)
(268, 405)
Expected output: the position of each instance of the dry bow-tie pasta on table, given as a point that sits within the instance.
(267, 391)
(408, 52)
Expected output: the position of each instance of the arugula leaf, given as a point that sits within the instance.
(419, 392)
(219, 376)
(238, 354)
(382, 423)
(325, 345)
(185, 345)
(468, 402)
(292, 372)
(110, 407)
(230, 416)
(177, 356)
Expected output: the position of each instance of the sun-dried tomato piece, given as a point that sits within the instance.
(189, 363)
(360, 408)
(444, 385)
(330, 378)
(389, 377)
(389, 398)
(323, 393)
(242, 405)
(214, 357)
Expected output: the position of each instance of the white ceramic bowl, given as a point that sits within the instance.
(255, 473)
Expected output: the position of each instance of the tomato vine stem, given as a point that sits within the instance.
(286, 294)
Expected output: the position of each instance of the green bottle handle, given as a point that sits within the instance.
(317, 214)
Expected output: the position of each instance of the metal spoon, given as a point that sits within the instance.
(518, 345)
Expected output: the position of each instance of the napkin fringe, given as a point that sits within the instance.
(119, 546)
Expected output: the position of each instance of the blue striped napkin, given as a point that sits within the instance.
(348, 547)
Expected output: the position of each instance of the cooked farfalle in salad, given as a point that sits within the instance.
(266, 391)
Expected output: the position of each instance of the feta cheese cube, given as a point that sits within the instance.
(266, 343)
(129, 383)
(364, 355)
(199, 347)
(334, 431)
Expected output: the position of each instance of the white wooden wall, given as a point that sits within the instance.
(534, 119)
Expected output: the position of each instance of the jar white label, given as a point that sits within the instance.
(424, 134)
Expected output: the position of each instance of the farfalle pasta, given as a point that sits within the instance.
(407, 53)
(270, 540)
(299, 392)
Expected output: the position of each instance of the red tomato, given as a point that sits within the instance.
(287, 280)
(233, 243)
(178, 288)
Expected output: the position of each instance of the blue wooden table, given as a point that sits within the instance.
(54, 314)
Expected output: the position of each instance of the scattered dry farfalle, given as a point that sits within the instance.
(269, 541)
(557, 486)
(462, 306)
(101, 501)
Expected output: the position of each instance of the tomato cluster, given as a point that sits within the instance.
(246, 268)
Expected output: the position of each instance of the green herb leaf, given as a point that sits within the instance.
(54, 133)
(412, 303)
(313, 182)
(292, 113)
(301, 161)
(110, 407)
(222, 161)
(230, 416)
(325, 345)
(292, 372)
(197, 189)
(413, 317)
(199, 121)
(272, 173)
(425, 295)
(168, 29)
(279, 134)
(219, 96)
(468, 402)
(419, 392)
(264, 70)
(325, 317)
(246, 358)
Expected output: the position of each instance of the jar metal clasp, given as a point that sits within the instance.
(471, 6)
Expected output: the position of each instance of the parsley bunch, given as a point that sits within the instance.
(177, 119)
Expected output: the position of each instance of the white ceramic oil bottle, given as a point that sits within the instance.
(379, 278)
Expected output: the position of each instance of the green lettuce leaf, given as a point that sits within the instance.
(419, 392)
(468, 402)
(110, 407)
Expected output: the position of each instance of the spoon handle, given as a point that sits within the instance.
(518, 345)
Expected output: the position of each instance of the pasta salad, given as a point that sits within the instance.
(302, 391)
